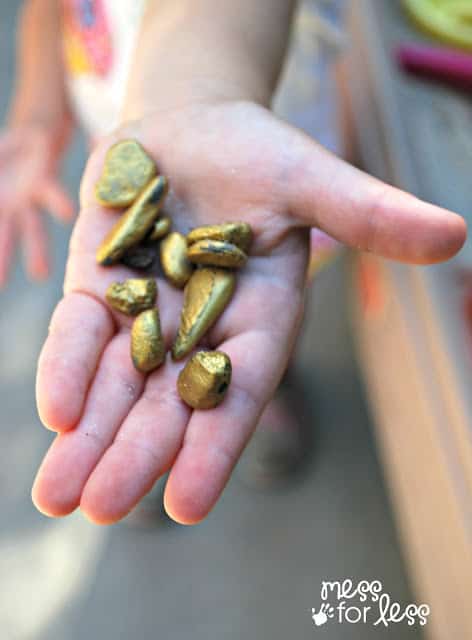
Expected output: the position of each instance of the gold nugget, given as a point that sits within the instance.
(174, 259)
(147, 344)
(132, 296)
(216, 253)
(127, 170)
(135, 223)
(204, 381)
(205, 298)
(161, 228)
(238, 233)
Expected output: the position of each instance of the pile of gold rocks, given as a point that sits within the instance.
(203, 263)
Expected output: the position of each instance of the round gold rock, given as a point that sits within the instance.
(238, 233)
(215, 253)
(161, 228)
(174, 261)
(132, 296)
(127, 170)
(147, 344)
(204, 381)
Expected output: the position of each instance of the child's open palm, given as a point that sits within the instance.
(120, 431)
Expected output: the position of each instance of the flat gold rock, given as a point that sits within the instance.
(132, 296)
(238, 233)
(204, 381)
(135, 223)
(174, 261)
(126, 171)
(206, 296)
(216, 253)
(147, 344)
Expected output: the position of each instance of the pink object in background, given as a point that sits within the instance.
(437, 63)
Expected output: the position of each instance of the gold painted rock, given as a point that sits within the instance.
(238, 233)
(127, 170)
(174, 261)
(217, 254)
(147, 344)
(135, 223)
(132, 296)
(161, 228)
(204, 381)
(206, 296)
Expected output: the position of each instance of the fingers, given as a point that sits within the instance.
(363, 212)
(151, 436)
(7, 245)
(215, 439)
(80, 329)
(34, 242)
(142, 450)
(73, 455)
(55, 199)
(257, 331)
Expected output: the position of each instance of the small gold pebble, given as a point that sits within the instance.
(127, 170)
(238, 233)
(132, 296)
(161, 228)
(135, 223)
(206, 296)
(174, 261)
(216, 253)
(204, 381)
(147, 344)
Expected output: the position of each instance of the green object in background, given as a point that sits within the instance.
(447, 20)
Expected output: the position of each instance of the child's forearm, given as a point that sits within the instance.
(206, 49)
(40, 95)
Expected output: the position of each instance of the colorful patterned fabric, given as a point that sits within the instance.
(99, 38)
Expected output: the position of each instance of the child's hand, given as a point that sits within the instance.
(225, 161)
(28, 184)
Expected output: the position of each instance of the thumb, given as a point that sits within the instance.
(363, 212)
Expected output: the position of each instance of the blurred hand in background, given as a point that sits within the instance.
(29, 185)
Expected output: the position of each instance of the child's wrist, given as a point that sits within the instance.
(56, 130)
(199, 91)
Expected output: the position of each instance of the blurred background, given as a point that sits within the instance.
(384, 368)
